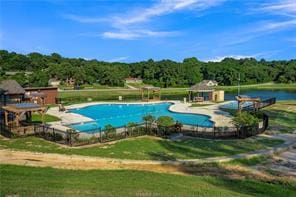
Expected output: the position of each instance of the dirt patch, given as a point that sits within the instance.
(283, 164)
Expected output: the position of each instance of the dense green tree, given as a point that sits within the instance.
(164, 73)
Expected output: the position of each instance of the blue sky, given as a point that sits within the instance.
(131, 31)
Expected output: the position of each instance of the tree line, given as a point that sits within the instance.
(35, 69)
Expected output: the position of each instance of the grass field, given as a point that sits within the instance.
(47, 118)
(70, 97)
(32, 181)
(147, 148)
(282, 116)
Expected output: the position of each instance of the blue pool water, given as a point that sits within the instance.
(234, 105)
(119, 115)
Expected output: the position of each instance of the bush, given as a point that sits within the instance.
(131, 126)
(165, 122)
(149, 119)
(245, 119)
(110, 130)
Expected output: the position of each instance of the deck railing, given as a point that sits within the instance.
(262, 104)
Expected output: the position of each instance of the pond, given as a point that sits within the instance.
(278, 94)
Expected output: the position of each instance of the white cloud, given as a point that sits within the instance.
(127, 25)
(220, 58)
(135, 34)
(283, 7)
(165, 7)
(278, 25)
(82, 19)
(118, 59)
(264, 54)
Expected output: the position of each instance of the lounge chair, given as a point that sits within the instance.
(62, 108)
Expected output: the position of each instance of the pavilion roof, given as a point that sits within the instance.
(201, 87)
(12, 87)
(24, 107)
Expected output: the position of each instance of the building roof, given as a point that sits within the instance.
(201, 87)
(207, 81)
(12, 87)
(24, 107)
(40, 88)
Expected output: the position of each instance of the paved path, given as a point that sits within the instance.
(220, 117)
(85, 162)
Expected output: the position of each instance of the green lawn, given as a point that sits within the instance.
(282, 116)
(147, 148)
(47, 118)
(32, 181)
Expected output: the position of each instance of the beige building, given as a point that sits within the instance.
(205, 91)
(133, 80)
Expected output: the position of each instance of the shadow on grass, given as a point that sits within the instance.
(201, 148)
(238, 178)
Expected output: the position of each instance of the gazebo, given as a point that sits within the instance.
(205, 91)
(17, 115)
(13, 91)
(200, 92)
(150, 93)
(243, 99)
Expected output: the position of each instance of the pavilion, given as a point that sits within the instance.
(18, 116)
(13, 91)
(246, 99)
(205, 91)
(150, 93)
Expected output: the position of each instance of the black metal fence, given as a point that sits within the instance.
(262, 104)
(73, 138)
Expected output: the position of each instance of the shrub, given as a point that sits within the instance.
(110, 130)
(149, 119)
(164, 122)
(245, 119)
(130, 127)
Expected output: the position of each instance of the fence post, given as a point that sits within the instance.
(100, 134)
(54, 135)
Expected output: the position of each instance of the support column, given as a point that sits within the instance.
(42, 117)
(6, 118)
(159, 94)
(142, 91)
(17, 119)
(189, 96)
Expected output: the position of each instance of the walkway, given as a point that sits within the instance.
(85, 162)
(220, 117)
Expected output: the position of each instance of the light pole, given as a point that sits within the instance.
(238, 85)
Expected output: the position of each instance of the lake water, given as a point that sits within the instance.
(278, 94)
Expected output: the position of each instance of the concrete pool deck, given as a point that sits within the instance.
(218, 116)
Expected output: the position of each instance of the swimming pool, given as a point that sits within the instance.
(234, 105)
(119, 115)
